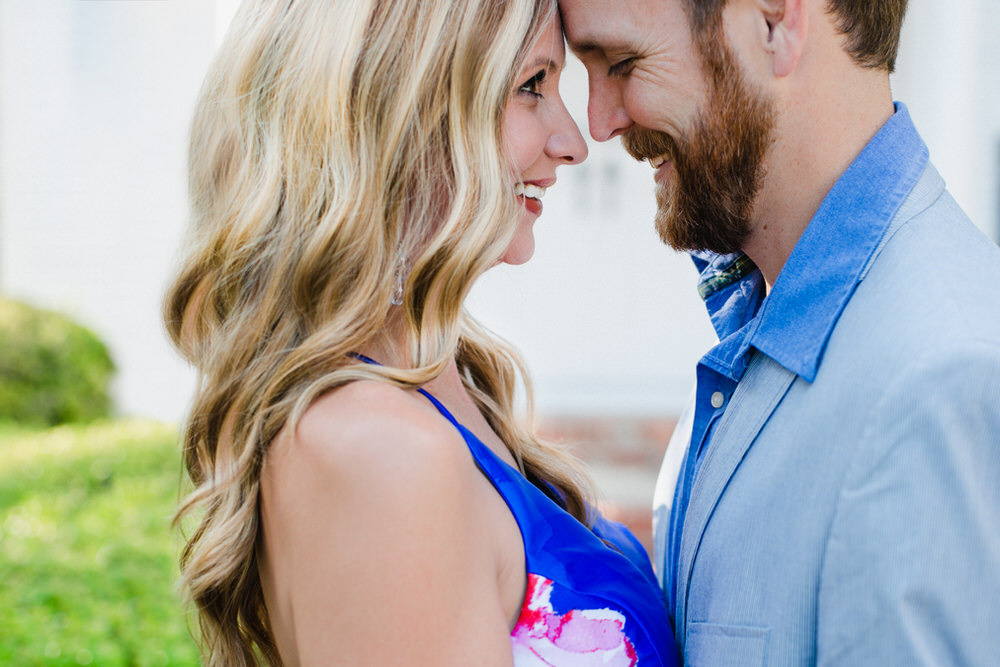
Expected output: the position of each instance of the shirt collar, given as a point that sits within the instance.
(793, 324)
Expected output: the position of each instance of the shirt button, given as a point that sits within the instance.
(718, 399)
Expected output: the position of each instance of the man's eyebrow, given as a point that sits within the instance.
(591, 44)
(583, 47)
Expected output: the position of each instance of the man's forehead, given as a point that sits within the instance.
(596, 25)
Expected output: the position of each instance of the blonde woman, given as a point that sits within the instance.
(364, 491)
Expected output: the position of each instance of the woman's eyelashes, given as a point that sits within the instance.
(533, 85)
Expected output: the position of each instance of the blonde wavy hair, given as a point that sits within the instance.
(332, 138)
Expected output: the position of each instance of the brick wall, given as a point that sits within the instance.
(624, 455)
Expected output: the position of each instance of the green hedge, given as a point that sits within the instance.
(52, 371)
(88, 557)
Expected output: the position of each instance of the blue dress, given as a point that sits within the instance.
(592, 597)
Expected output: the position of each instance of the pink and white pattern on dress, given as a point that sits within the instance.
(579, 638)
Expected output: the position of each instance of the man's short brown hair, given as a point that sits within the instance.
(871, 27)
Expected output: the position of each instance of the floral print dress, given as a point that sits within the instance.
(592, 597)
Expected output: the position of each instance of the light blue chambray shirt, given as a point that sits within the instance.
(793, 322)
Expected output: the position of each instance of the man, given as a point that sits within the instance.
(838, 501)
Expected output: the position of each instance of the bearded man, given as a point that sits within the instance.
(832, 494)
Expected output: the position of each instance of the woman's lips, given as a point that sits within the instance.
(530, 203)
(530, 194)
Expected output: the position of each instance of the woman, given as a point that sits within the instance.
(364, 491)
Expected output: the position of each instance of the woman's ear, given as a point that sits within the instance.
(787, 25)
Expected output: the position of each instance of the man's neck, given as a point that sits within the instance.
(817, 137)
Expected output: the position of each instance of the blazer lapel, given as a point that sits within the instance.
(756, 396)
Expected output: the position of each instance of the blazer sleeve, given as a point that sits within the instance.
(911, 570)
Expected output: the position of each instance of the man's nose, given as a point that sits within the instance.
(605, 111)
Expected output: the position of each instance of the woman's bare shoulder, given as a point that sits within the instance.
(370, 435)
(372, 513)
(374, 423)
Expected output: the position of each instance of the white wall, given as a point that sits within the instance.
(94, 105)
(948, 74)
(95, 99)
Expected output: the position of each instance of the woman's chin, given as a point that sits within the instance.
(519, 251)
(522, 245)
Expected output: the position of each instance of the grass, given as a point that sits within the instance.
(87, 554)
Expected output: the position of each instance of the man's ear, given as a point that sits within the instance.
(787, 24)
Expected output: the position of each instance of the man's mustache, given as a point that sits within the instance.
(642, 143)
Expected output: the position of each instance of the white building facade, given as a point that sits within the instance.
(95, 102)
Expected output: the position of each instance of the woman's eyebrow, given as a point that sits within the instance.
(548, 63)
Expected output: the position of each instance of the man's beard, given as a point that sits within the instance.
(718, 167)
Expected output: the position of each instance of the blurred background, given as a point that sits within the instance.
(95, 102)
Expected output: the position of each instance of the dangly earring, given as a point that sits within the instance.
(400, 274)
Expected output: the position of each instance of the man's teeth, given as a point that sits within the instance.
(528, 190)
(658, 161)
